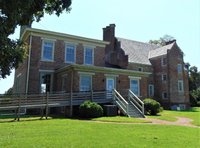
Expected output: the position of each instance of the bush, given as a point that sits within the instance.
(152, 107)
(90, 109)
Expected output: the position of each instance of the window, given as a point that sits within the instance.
(134, 86)
(47, 50)
(45, 82)
(164, 95)
(85, 82)
(180, 86)
(88, 56)
(164, 77)
(70, 53)
(140, 69)
(164, 61)
(151, 90)
(179, 68)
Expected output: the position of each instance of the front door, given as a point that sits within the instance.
(110, 84)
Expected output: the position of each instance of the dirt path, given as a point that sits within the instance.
(182, 121)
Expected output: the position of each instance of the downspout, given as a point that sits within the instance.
(29, 59)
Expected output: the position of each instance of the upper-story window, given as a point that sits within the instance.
(164, 77)
(88, 56)
(47, 50)
(70, 53)
(164, 61)
(179, 68)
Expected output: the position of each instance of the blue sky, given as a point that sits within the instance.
(139, 20)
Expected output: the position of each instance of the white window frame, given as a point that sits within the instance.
(179, 65)
(151, 85)
(180, 82)
(81, 80)
(49, 41)
(68, 44)
(92, 54)
(163, 96)
(138, 80)
(163, 77)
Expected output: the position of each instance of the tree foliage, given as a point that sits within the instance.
(162, 41)
(22, 12)
(9, 91)
(194, 85)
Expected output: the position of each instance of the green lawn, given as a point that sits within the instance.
(169, 115)
(78, 133)
(120, 119)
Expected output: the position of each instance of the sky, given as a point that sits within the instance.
(138, 20)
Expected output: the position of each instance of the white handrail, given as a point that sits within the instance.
(120, 96)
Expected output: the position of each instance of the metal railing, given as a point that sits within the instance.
(120, 101)
(134, 100)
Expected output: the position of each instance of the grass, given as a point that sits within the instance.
(120, 119)
(169, 115)
(79, 133)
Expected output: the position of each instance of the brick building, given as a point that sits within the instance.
(67, 63)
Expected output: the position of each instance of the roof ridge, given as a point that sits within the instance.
(137, 41)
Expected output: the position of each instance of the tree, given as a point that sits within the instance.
(20, 12)
(163, 40)
(9, 91)
(194, 85)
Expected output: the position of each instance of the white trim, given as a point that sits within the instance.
(138, 81)
(151, 85)
(50, 41)
(86, 73)
(135, 78)
(70, 44)
(90, 47)
(111, 75)
(28, 64)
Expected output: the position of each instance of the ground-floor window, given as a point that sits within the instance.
(46, 81)
(180, 86)
(85, 82)
(135, 86)
(164, 95)
(151, 90)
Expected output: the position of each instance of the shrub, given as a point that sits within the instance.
(90, 109)
(152, 107)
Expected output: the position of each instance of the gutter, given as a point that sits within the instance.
(29, 59)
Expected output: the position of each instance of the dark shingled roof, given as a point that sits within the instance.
(137, 52)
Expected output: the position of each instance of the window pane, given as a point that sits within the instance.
(179, 68)
(85, 83)
(47, 51)
(70, 54)
(135, 87)
(88, 55)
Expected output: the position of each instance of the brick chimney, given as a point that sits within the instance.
(109, 35)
